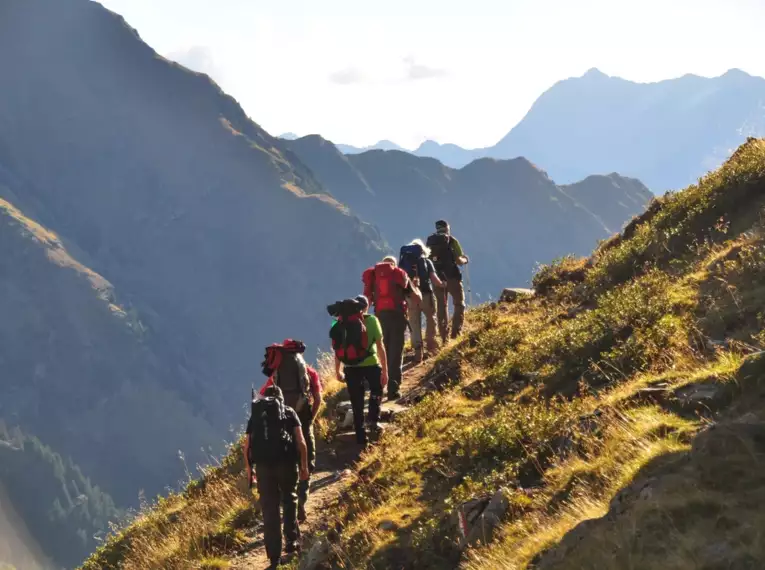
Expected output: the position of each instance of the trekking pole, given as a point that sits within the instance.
(469, 287)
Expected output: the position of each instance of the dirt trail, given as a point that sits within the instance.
(333, 469)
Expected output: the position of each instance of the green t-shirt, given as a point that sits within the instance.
(456, 248)
(374, 333)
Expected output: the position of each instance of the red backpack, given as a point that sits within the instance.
(349, 332)
(384, 285)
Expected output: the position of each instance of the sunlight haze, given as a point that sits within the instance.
(357, 71)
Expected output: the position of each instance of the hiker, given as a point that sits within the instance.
(387, 287)
(447, 256)
(357, 340)
(285, 366)
(414, 260)
(275, 447)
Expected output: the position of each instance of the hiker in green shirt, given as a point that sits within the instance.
(360, 363)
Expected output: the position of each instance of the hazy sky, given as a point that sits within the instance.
(357, 71)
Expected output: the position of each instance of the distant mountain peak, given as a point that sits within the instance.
(594, 73)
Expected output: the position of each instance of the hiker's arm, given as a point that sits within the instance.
(435, 280)
(459, 254)
(316, 406)
(303, 450)
(383, 357)
(412, 288)
(246, 452)
(338, 373)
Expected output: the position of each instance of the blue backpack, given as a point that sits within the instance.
(411, 261)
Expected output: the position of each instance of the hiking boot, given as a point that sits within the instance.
(393, 396)
(302, 516)
(275, 563)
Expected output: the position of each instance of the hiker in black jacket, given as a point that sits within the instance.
(277, 451)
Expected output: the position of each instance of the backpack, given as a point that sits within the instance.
(349, 334)
(411, 261)
(271, 440)
(286, 364)
(292, 378)
(387, 291)
(442, 255)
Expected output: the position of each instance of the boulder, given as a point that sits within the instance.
(479, 518)
(317, 556)
(347, 421)
(513, 293)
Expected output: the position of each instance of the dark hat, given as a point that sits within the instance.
(442, 225)
(362, 300)
(273, 391)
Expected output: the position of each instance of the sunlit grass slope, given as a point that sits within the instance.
(620, 411)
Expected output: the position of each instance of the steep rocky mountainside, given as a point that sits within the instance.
(493, 206)
(613, 419)
(154, 239)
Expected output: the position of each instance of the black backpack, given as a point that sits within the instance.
(349, 334)
(442, 255)
(271, 440)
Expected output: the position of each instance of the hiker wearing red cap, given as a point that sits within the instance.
(300, 383)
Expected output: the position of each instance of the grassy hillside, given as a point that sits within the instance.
(617, 415)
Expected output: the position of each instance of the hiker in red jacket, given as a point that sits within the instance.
(387, 286)
(301, 386)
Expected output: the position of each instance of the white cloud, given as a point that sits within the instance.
(198, 58)
(347, 76)
(416, 71)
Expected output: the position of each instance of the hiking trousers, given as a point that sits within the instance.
(306, 422)
(355, 376)
(277, 484)
(457, 291)
(394, 330)
(417, 309)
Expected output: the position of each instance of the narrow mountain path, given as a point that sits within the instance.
(334, 464)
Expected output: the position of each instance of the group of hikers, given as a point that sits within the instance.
(280, 448)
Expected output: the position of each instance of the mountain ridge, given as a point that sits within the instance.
(511, 200)
(596, 123)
